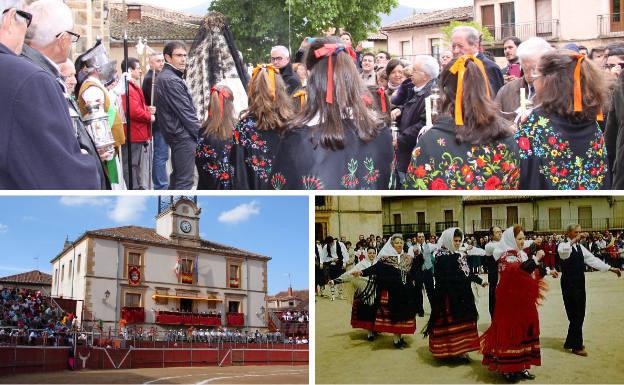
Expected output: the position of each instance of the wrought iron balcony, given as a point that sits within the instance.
(441, 226)
(406, 229)
(610, 25)
(593, 224)
(485, 224)
(546, 29)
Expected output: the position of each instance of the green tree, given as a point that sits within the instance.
(258, 25)
(485, 33)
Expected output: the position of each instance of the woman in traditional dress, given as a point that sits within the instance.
(336, 142)
(511, 344)
(452, 327)
(395, 303)
(258, 134)
(470, 146)
(561, 144)
(363, 310)
(212, 155)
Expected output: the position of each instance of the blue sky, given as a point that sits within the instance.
(36, 226)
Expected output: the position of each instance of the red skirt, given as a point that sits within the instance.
(451, 338)
(383, 322)
(511, 344)
(358, 322)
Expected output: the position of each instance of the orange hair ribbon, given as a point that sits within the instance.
(329, 50)
(382, 94)
(459, 69)
(578, 96)
(301, 94)
(271, 70)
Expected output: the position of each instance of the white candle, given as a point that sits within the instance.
(523, 99)
(429, 121)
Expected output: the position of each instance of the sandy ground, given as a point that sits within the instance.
(343, 355)
(205, 375)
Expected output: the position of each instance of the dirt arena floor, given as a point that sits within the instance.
(343, 355)
(203, 375)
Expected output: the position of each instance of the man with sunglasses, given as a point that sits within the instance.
(49, 42)
(37, 139)
(280, 58)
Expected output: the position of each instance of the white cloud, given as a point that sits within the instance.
(240, 213)
(127, 209)
(85, 201)
(3, 228)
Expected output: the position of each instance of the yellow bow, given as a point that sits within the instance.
(271, 70)
(301, 94)
(459, 69)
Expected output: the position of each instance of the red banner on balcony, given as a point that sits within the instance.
(134, 276)
(236, 319)
(187, 277)
(133, 314)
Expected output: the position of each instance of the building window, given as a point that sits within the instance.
(134, 259)
(160, 300)
(434, 45)
(69, 273)
(233, 307)
(397, 219)
(132, 300)
(487, 18)
(78, 263)
(319, 200)
(508, 20)
(406, 49)
(554, 218)
(234, 276)
(448, 215)
(55, 277)
(512, 216)
(486, 217)
(186, 271)
(62, 272)
(585, 217)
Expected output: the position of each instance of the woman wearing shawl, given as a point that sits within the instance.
(452, 327)
(363, 311)
(511, 344)
(393, 274)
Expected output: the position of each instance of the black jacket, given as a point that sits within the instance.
(38, 147)
(412, 119)
(494, 73)
(614, 135)
(290, 78)
(175, 111)
(84, 139)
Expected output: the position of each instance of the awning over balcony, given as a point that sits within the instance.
(208, 299)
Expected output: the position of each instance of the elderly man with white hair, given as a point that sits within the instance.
(37, 139)
(466, 40)
(411, 115)
(49, 41)
(280, 58)
(529, 53)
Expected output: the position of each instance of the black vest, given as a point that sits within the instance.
(574, 266)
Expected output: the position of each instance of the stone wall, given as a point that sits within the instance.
(89, 23)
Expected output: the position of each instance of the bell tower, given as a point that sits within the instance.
(178, 219)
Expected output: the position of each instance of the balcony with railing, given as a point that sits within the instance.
(182, 318)
(480, 225)
(236, 319)
(407, 228)
(546, 29)
(611, 25)
(441, 226)
(588, 224)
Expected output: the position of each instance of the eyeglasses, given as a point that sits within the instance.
(279, 58)
(74, 36)
(23, 14)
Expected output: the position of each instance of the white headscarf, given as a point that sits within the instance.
(388, 250)
(446, 239)
(507, 243)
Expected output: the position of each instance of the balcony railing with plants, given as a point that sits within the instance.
(546, 29)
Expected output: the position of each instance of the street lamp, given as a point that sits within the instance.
(106, 294)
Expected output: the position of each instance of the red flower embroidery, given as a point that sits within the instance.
(562, 146)
(524, 143)
(480, 162)
(552, 140)
(469, 177)
(438, 184)
(465, 169)
(492, 183)
(563, 172)
(254, 137)
(496, 158)
(505, 166)
(420, 171)
(553, 169)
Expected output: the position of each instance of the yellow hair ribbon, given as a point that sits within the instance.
(301, 94)
(459, 69)
(271, 70)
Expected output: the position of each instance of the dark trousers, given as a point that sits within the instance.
(427, 282)
(574, 301)
(493, 281)
(183, 163)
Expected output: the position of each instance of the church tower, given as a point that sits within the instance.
(178, 219)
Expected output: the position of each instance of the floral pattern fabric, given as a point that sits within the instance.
(438, 166)
(557, 163)
(212, 158)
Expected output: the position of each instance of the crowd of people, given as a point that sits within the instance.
(295, 316)
(28, 316)
(332, 117)
(390, 276)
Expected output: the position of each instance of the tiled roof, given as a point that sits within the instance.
(145, 234)
(156, 24)
(302, 295)
(376, 36)
(441, 16)
(32, 277)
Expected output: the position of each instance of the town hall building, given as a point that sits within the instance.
(162, 277)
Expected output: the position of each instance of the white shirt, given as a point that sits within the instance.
(325, 258)
(565, 250)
